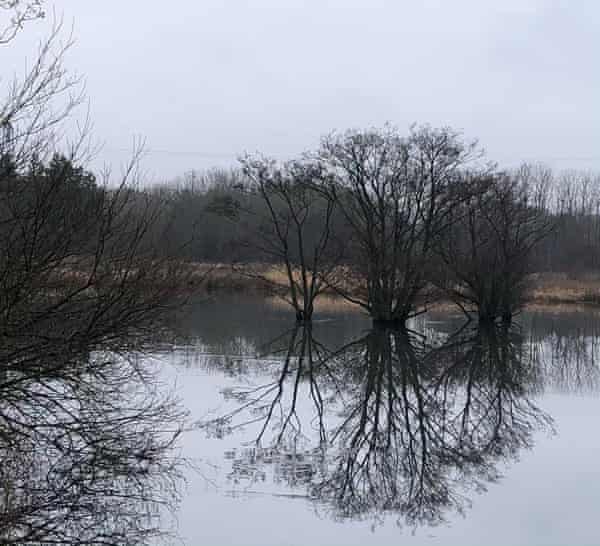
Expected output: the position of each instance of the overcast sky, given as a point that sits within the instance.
(205, 80)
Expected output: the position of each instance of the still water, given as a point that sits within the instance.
(340, 434)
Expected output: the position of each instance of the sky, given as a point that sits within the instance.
(203, 81)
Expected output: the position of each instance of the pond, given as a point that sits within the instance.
(448, 433)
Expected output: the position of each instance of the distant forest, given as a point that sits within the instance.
(209, 214)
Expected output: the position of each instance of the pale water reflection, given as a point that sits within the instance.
(88, 451)
(343, 434)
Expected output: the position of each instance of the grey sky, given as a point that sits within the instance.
(204, 80)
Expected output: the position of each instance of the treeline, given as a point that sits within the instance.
(202, 204)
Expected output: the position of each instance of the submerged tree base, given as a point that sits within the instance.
(494, 319)
(303, 317)
(389, 324)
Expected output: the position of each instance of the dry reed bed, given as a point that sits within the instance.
(555, 289)
(546, 289)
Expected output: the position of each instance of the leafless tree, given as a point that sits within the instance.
(17, 13)
(296, 229)
(37, 107)
(79, 261)
(486, 253)
(396, 193)
(83, 292)
(80, 285)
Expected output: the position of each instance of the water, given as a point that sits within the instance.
(344, 435)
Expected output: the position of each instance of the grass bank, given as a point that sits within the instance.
(545, 289)
(560, 289)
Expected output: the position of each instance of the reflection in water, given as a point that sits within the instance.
(274, 404)
(422, 425)
(569, 353)
(86, 450)
(401, 423)
(394, 422)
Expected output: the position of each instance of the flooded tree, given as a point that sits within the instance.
(295, 230)
(486, 253)
(396, 193)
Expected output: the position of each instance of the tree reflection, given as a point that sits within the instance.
(423, 425)
(491, 377)
(87, 452)
(569, 352)
(404, 426)
(391, 453)
(274, 405)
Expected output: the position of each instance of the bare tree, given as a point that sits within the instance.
(486, 253)
(36, 108)
(84, 290)
(18, 12)
(396, 193)
(296, 229)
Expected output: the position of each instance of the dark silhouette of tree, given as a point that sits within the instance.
(396, 194)
(17, 13)
(84, 290)
(296, 229)
(486, 253)
(35, 107)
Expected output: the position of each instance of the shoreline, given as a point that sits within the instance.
(547, 290)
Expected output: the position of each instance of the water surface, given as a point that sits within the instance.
(341, 434)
